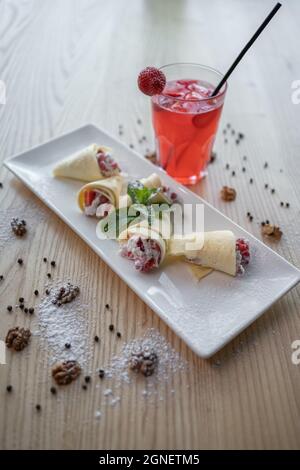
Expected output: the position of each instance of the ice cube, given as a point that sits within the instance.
(193, 95)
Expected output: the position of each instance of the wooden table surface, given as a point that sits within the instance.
(67, 63)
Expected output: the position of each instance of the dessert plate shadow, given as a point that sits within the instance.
(206, 314)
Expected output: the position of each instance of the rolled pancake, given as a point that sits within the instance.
(109, 187)
(152, 182)
(147, 233)
(82, 165)
(158, 231)
(215, 250)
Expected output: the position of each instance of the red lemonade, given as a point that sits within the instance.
(185, 120)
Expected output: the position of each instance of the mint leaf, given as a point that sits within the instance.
(139, 194)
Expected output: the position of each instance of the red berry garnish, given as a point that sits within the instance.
(89, 196)
(151, 81)
(243, 247)
(103, 199)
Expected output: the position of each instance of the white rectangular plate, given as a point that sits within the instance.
(205, 314)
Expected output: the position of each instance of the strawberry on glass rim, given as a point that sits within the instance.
(151, 81)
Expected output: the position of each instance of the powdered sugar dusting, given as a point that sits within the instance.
(66, 324)
(119, 377)
(32, 213)
(169, 363)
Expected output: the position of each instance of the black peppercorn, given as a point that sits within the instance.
(36, 292)
(111, 327)
(9, 308)
(53, 390)
(9, 388)
(20, 261)
(53, 263)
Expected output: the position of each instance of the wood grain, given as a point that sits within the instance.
(66, 63)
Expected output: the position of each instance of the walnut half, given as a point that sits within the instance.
(144, 361)
(271, 231)
(66, 372)
(151, 156)
(228, 194)
(17, 338)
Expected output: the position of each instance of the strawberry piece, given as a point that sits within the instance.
(173, 94)
(187, 82)
(151, 81)
(243, 247)
(103, 199)
(140, 244)
(89, 196)
(148, 266)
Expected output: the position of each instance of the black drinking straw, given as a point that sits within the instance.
(248, 45)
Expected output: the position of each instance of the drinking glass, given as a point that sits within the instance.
(185, 120)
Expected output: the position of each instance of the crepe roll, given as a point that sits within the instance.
(100, 197)
(218, 250)
(146, 245)
(90, 164)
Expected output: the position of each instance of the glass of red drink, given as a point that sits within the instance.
(185, 120)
